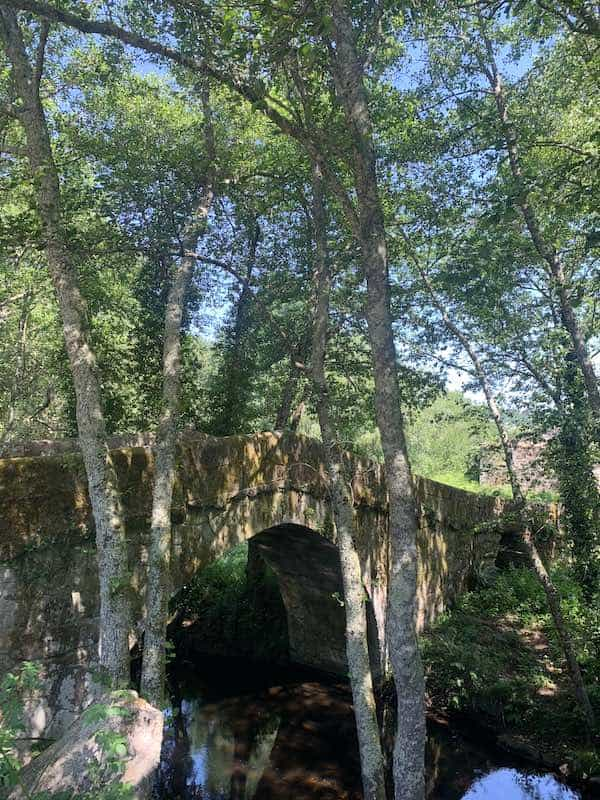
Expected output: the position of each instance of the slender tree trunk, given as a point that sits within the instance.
(409, 744)
(103, 490)
(157, 593)
(357, 649)
(544, 249)
(297, 415)
(20, 368)
(241, 312)
(526, 536)
(287, 398)
(233, 389)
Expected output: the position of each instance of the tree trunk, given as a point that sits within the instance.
(102, 484)
(357, 649)
(525, 534)
(16, 387)
(233, 390)
(544, 249)
(297, 414)
(287, 398)
(157, 592)
(409, 744)
(243, 302)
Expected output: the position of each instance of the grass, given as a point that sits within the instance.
(461, 481)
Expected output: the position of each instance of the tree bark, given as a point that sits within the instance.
(241, 311)
(157, 593)
(20, 368)
(409, 744)
(105, 500)
(233, 390)
(287, 398)
(525, 533)
(357, 649)
(297, 415)
(545, 250)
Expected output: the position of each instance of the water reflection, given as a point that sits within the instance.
(510, 783)
(297, 740)
(458, 769)
(287, 742)
(228, 751)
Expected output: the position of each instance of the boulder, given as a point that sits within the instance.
(115, 740)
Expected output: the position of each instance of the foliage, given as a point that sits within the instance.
(16, 688)
(445, 438)
(572, 454)
(128, 144)
(460, 481)
(495, 654)
(35, 393)
(104, 774)
(232, 614)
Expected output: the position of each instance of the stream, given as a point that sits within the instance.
(236, 731)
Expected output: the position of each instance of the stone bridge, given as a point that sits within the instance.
(268, 488)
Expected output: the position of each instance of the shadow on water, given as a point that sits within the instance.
(236, 731)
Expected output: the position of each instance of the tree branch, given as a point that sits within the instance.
(244, 281)
(254, 94)
(41, 52)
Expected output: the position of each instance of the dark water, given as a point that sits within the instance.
(238, 733)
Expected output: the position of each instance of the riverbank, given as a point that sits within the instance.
(493, 665)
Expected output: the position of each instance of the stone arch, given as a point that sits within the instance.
(209, 531)
(304, 559)
(308, 572)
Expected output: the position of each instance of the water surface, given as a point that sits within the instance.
(236, 732)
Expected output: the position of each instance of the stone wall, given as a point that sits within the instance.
(529, 466)
(529, 463)
(269, 488)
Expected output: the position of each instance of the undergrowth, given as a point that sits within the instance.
(495, 656)
(233, 615)
(103, 772)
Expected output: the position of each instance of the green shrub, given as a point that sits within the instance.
(514, 591)
(472, 666)
(234, 616)
(478, 657)
(16, 688)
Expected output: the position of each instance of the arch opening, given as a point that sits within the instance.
(308, 570)
(230, 609)
(276, 598)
